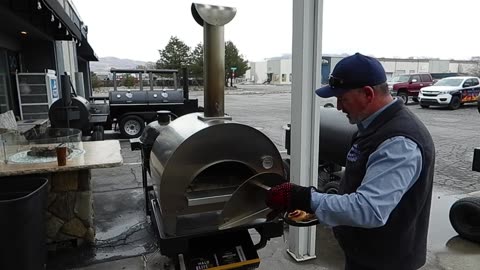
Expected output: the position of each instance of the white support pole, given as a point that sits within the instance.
(306, 64)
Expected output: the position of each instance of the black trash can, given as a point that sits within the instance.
(23, 201)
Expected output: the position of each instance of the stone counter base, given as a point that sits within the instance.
(70, 209)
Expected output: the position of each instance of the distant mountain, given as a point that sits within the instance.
(106, 63)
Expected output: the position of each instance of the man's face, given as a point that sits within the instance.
(354, 104)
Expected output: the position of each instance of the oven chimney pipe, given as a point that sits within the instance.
(213, 18)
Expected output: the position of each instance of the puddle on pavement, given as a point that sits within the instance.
(445, 247)
(121, 252)
(122, 224)
(440, 229)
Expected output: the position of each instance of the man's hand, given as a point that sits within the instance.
(288, 197)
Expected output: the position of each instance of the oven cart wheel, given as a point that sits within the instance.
(131, 126)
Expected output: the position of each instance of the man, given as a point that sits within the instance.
(380, 216)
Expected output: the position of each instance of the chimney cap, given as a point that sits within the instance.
(213, 15)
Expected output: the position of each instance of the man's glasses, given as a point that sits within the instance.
(335, 82)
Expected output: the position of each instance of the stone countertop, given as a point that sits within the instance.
(98, 154)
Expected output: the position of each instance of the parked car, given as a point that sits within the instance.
(408, 85)
(440, 75)
(450, 92)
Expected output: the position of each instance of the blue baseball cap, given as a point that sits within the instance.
(355, 71)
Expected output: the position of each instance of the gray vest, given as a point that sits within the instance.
(402, 242)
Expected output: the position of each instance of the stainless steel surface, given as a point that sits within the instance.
(213, 15)
(197, 164)
(207, 199)
(250, 217)
(200, 159)
(260, 185)
(247, 203)
(335, 135)
(213, 18)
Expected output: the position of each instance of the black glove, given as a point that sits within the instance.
(289, 197)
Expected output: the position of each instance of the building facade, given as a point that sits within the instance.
(41, 36)
(279, 70)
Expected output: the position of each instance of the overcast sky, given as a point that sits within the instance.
(263, 28)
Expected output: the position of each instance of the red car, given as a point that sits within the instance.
(408, 86)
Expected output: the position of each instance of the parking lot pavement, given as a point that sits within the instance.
(455, 133)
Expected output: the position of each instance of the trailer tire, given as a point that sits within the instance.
(131, 126)
(465, 218)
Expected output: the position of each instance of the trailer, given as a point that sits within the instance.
(126, 110)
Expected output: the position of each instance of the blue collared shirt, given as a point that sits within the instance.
(391, 170)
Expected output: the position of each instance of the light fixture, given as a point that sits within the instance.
(24, 32)
(79, 44)
(59, 25)
(67, 33)
(39, 6)
(52, 19)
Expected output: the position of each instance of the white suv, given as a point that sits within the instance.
(450, 92)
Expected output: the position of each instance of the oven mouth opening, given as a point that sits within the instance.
(216, 183)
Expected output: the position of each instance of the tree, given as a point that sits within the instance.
(475, 71)
(96, 82)
(234, 60)
(128, 81)
(175, 55)
(196, 60)
(147, 65)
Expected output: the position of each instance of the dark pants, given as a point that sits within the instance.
(351, 265)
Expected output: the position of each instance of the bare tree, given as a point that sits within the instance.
(475, 71)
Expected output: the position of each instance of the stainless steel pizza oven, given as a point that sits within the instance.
(200, 159)
(197, 164)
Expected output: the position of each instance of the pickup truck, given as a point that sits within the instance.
(450, 92)
(408, 85)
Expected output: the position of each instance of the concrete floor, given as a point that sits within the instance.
(125, 239)
(445, 249)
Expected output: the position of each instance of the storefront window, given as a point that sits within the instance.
(4, 77)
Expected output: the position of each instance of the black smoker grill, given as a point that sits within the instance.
(72, 111)
(131, 109)
(198, 161)
(335, 137)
